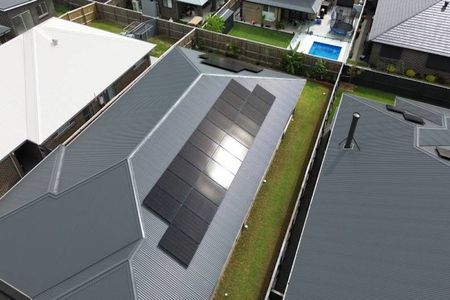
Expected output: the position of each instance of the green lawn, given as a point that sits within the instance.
(162, 44)
(60, 9)
(363, 92)
(262, 35)
(106, 25)
(249, 270)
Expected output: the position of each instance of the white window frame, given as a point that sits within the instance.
(23, 21)
(168, 3)
(269, 12)
(42, 6)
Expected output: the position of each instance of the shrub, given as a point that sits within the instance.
(431, 78)
(215, 23)
(232, 51)
(279, 25)
(292, 61)
(319, 70)
(391, 69)
(410, 73)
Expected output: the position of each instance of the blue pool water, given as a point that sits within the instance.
(325, 50)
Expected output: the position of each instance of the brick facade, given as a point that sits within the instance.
(253, 12)
(410, 59)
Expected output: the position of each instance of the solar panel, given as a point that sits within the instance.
(178, 245)
(257, 103)
(413, 118)
(247, 124)
(191, 224)
(194, 156)
(238, 89)
(443, 153)
(419, 111)
(241, 135)
(219, 120)
(226, 109)
(228, 64)
(394, 109)
(210, 189)
(162, 204)
(212, 131)
(201, 206)
(189, 192)
(253, 114)
(202, 142)
(184, 170)
(174, 186)
(263, 94)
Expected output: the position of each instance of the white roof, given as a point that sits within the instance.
(44, 85)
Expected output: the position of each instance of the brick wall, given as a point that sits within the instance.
(410, 59)
(251, 11)
(8, 175)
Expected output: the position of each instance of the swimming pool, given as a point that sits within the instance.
(325, 50)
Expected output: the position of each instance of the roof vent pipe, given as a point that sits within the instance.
(444, 7)
(351, 133)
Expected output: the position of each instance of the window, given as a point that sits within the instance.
(167, 3)
(42, 9)
(269, 13)
(22, 22)
(437, 62)
(392, 52)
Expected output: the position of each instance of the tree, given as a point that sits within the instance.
(215, 23)
(319, 70)
(292, 61)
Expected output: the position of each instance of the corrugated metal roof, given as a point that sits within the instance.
(9, 4)
(138, 136)
(378, 225)
(308, 6)
(415, 24)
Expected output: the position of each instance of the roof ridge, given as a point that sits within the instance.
(404, 20)
(56, 171)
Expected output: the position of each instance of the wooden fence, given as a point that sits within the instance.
(82, 15)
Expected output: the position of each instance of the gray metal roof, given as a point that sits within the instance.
(77, 217)
(309, 6)
(378, 225)
(414, 24)
(9, 4)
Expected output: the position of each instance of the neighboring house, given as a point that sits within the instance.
(21, 15)
(4, 31)
(287, 11)
(148, 201)
(378, 225)
(53, 78)
(185, 9)
(412, 34)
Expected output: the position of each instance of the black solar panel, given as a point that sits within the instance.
(394, 109)
(264, 95)
(212, 131)
(413, 118)
(194, 156)
(178, 245)
(203, 143)
(443, 153)
(189, 192)
(184, 170)
(247, 124)
(210, 189)
(228, 64)
(191, 224)
(201, 206)
(238, 89)
(226, 109)
(162, 204)
(174, 186)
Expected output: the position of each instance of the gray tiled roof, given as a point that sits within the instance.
(414, 24)
(379, 221)
(309, 6)
(97, 233)
(7, 4)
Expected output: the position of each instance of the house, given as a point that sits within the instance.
(412, 35)
(185, 10)
(54, 77)
(3, 33)
(148, 201)
(274, 11)
(378, 225)
(21, 15)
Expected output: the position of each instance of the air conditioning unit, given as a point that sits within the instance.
(136, 5)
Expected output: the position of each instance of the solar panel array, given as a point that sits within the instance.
(229, 64)
(190, 191)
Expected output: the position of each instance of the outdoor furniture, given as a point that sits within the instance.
(196, 21)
